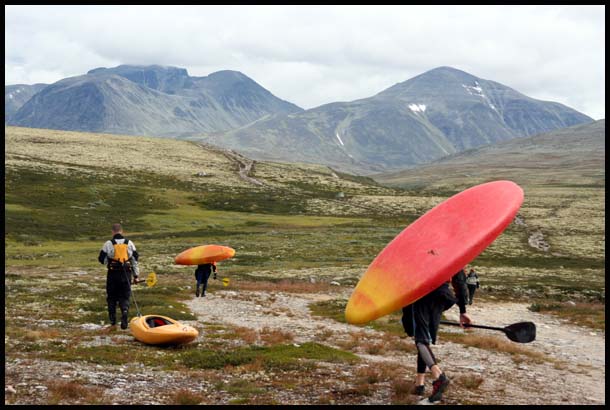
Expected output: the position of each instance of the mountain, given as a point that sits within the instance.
(573, 156)
(440, 112)
(17, 95)
(151, 100)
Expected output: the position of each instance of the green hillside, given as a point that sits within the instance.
(65, 189)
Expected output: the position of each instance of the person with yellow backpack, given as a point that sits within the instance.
(121, 257)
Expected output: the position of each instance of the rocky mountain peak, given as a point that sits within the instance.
(162, 78)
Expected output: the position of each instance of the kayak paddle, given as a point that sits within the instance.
(521, 332)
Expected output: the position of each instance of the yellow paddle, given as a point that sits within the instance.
(151, 280)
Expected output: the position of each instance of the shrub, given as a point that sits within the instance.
(275, 336)
(185, 397)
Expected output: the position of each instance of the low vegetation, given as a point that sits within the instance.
(294, 235)
(592, 315)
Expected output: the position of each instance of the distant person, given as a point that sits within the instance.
(121, 257)
(421, 320)
(202, 274)
(472, 281)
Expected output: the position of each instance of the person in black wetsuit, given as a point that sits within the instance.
(421, 321)
(121, 257)
(202, 274)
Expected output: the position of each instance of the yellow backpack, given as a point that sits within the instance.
(121, 251)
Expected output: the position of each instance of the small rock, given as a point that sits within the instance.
(10, 389)
(425, 402)
(312, 280)
(476, 368)
(335, 283)
(569, 302)
(90, 326)
(593, 333)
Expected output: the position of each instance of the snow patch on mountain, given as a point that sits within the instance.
(417, 107)
(339, 138)
(476, 90)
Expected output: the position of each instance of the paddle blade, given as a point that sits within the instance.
(151, 280)
(522, 332)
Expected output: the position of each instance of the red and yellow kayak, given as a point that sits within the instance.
(161, 330)
(199, 255)
(433, 248)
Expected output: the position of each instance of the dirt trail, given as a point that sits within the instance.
(572, 369)
(574, 372)
(244, 164)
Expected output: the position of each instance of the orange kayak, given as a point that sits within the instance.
(199, 255)
(161, 330)
(433, 248)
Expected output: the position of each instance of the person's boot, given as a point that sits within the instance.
(418, 390)
(124, 319)
(112, 316)
(197, 291)
(438, 388)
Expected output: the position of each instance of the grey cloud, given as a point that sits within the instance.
(312, 55)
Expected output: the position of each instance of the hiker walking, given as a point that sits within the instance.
(472, 281)
(202, 274)
(421, 320)
(121, 257)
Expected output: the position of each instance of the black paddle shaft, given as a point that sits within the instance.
(521, 332)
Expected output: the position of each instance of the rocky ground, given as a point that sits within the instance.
(570, 368)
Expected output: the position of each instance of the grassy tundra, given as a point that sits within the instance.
(63, 190)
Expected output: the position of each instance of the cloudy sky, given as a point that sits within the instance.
(313, 55)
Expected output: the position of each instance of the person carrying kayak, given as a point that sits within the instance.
(202, 275)
(421, 320)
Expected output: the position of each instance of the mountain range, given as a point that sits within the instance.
(149, 100)
(438, 113)
(17, 95)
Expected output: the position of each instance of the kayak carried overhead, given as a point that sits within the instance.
(432, 249)
(161, 330)
(203, 254)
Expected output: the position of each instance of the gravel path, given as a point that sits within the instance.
(572, 372)
(575, 373)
